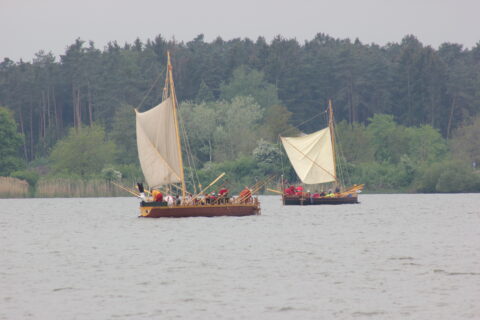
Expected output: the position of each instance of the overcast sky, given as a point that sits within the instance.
(28, 26)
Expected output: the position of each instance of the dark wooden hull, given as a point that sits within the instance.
(151, 210)
(299, 201)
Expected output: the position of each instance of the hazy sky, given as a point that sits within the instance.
(27, 26)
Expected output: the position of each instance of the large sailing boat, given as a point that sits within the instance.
(160, 155)
(314, 160)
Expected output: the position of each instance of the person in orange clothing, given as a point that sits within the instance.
(246, 195)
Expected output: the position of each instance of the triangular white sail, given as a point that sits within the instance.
(312, 156)
(157, 145)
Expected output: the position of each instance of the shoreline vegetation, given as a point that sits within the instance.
(407, 116)
(59, 188)
(11, 188)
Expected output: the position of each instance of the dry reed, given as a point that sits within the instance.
(13, 188)
(66, 188)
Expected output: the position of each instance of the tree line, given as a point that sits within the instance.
(237, 96)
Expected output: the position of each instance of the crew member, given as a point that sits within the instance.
(299, 191)
(246, 195)
(290, 191)
(223, 195)
(170, 200)
(157, 196)
(212, 197)
(223, 192)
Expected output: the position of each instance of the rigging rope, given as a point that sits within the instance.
(149, 90)
(188, 149)
(345, 175)
(308, 120)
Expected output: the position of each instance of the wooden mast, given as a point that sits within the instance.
(332, 136)
(174, 102)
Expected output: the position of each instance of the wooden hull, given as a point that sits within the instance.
(150, 210)
(300, 201)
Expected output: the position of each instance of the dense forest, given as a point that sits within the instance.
(408, 115)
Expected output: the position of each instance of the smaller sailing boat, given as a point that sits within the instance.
(160, 155)
(314, 160)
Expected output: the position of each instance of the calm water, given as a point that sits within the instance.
(390, 257)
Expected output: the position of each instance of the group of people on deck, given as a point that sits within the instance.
(170, 200)
(220, 197)
(214, 198)
(293, 191)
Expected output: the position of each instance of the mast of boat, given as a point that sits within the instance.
(174, 102)
(332, 136)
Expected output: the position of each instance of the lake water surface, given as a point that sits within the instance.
(389, 257)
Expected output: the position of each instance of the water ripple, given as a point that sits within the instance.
(390, 257)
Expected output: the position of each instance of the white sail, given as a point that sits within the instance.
(157, 145)
(312, 156)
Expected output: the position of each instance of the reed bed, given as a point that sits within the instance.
(72, 188)
(13, 188)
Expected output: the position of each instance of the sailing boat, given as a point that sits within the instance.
(160, 155)
(313, 158)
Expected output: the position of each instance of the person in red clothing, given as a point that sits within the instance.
(158, 196)
(223, 195)
(290, 191)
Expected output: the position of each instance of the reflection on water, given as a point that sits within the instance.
(390, 257)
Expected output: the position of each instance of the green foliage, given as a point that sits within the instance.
(238, 120)
(388, 139)
(130, 172)
(354, 142)
(10, 144)
(28, 175)
(200, 121)
(466, 142)
(429, 93)
(83, 152)
(447, 176)
(247, 82)
(425, 144)
(392, 141)
(458, 179)
(427, 178)
(382, 176)
(204, 93)
(110, 174)
(240, 172)
(268, 157)
(276, 122)
(124, 136)
(221, 130)
(266, 152)
(413, 82)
